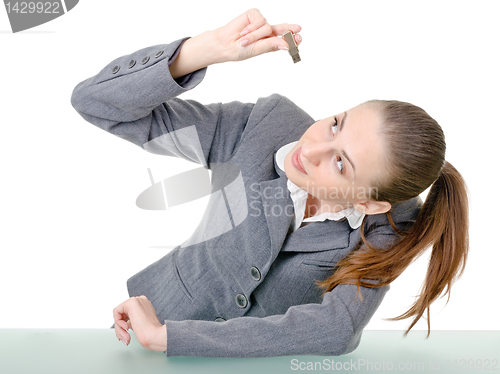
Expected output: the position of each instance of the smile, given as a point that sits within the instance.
(297, 162)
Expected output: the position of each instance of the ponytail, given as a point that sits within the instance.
(443, 223)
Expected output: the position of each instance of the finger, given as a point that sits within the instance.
(121, 332)
(263, 32)
(119, 310)
(120, 317)
(283, 27)
(269, 45)
(255, 22)
(123, 325)
(298, 38)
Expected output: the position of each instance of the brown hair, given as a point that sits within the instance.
(416, 160)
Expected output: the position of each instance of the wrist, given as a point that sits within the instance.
(209, 48)
(160, 339)
(196, 53)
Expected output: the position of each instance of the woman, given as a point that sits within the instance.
(309, 221)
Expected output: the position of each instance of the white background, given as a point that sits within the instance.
(71, 232)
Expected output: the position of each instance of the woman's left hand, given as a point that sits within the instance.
(138, 314)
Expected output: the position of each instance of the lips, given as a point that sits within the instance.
(297, 162)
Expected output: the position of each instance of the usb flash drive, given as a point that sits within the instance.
(293, 49)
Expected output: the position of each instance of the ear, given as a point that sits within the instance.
(373, 207)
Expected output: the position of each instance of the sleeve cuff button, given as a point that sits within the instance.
(115, 69)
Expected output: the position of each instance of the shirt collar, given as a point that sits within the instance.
(299, 198)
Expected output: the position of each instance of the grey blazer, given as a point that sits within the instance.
(242, 286)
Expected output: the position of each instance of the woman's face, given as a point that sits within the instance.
(337, 158)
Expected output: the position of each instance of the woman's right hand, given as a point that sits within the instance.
(250, 35)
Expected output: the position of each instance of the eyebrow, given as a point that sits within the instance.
(343, 152)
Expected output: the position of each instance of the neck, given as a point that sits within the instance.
(315, 206)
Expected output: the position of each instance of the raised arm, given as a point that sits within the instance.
(134, 96)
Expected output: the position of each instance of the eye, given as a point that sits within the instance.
(334, 128)
(340, 163)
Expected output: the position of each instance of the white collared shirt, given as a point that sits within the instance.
(299, 198)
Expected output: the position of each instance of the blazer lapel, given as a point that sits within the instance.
(319, 236)
(277, 208)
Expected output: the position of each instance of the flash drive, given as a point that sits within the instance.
(293, 49)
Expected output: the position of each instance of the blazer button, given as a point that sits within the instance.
(131, 64)
(158, 54)
(241, 300)
(145, 60)
(255, 273)
(115, 69)
(220, 319)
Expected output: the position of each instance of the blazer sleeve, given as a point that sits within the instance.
(331, 328)
(135, 98)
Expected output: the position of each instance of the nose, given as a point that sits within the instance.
(314, 152)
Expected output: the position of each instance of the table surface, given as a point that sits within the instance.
(71, 351)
